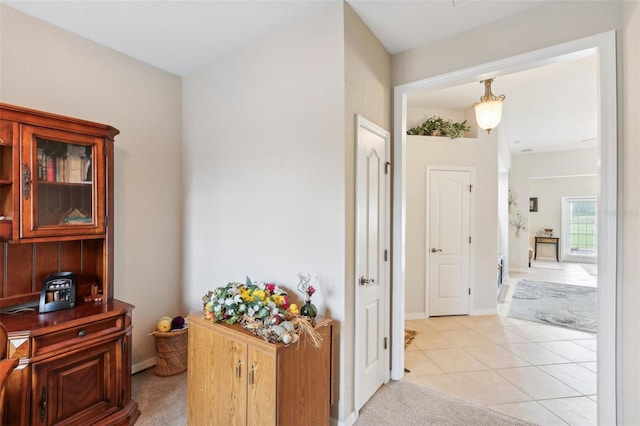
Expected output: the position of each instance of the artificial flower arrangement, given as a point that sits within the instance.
(231, 302)
(262, 308)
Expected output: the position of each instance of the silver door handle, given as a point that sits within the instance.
(364, 280)
(435, 250)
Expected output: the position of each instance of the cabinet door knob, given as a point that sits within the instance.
(82, 333)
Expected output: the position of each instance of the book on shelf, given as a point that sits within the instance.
(51, 172)
(42, 165)
(74, 169)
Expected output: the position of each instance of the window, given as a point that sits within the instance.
(580, 227)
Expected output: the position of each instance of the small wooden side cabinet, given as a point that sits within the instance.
(237, 378)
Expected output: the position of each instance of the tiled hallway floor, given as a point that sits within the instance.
(540, 373)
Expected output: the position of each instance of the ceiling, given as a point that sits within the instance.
(551, 108)
(544, 109)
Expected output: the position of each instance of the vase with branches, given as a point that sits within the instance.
(307, 290)
(513, 200)
(518, 221)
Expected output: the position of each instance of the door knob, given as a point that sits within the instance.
(364, 280)
(435, 250)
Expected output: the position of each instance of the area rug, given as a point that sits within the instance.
(409, 335)
(566, 305)
(407, 404)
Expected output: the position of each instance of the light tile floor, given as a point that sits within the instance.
(539, 373)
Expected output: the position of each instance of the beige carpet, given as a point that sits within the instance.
(405, 403)
(163, 401)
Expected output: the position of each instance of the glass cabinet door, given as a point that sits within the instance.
(62, 183)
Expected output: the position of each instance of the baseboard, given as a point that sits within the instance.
(143, 365)
(349, 421)
(544, 258)
(519, 270)
(422, 315)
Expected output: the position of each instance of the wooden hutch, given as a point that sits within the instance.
(56, 216)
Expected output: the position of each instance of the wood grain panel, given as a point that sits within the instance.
(261, 389)
(19, 267)
(46, 261)
(216, 395)
(92, 259)
(304, 381)
(71, 256)
(3, 283)
(6, 132)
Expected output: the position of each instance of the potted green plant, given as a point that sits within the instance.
(438, 126)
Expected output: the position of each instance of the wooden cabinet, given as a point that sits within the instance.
(75, 366)
(236, 378)
(55, 174)
(76, 389)
(62, 187)
(56, 215)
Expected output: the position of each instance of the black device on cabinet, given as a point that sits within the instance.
(58, 292)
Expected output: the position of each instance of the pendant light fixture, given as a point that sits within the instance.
(489, 109)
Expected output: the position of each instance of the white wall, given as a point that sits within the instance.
(264, 171)
(570, 20)
(582, 163)
(481, 154)
(46, 68)
(549, 192)
(264, 165)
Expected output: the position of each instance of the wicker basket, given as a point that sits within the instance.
(172, 352)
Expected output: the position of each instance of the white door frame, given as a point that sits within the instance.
(364, 123)
(604, 45)
(472, 180)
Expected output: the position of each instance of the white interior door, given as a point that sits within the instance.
(372, 269)
(448, 241)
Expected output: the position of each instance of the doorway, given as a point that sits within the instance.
(604, 45)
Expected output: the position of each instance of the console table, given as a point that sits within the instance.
(547, 240)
